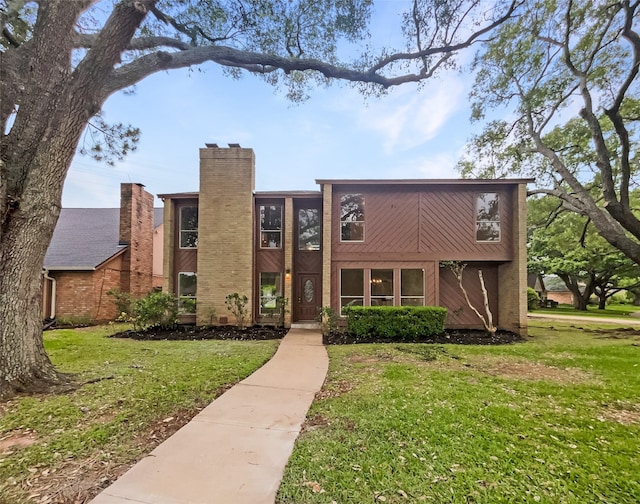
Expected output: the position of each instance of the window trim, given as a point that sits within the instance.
(181, 296)
(181, 230)
(479, 221)
(278, 293)
(360, 222)
(269, 231)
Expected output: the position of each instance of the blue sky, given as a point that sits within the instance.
(410, 133)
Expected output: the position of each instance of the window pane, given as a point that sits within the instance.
(487, 207)
(381, 282)
(352, 231)
(270, 290)
(352, 282)
(412, 301)
(271, 218)
(412, 282)
(352, 207)
(187, 284)
(347, 301)
(309, 229)
(188, 227)
(488, 231)
(270, 240)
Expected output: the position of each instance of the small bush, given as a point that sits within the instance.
(155, 310)
(122, 300)
(328, 319)
(403, 323)
(533, 300)
(237, 304)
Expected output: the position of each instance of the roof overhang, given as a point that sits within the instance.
(430, 182)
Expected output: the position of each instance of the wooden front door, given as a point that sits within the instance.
(307, 301)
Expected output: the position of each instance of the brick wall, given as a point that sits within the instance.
(136, 230)
(225, 229)
(83, 294)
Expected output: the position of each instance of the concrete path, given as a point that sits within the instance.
(235, 450)
(627, 322)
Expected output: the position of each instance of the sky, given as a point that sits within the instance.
(335, 134)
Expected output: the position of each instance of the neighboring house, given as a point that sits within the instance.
(353, 242)
(96, 249)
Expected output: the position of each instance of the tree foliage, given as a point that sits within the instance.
(565, 244)
(564, 76)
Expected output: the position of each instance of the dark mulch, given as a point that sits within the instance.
(455, 336)
(190, 332)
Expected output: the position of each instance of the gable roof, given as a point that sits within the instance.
(84, 238)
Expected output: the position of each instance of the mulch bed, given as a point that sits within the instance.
(189, 332)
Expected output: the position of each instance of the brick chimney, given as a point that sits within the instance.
(136, 231)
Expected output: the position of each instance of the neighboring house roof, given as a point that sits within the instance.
(84, 238)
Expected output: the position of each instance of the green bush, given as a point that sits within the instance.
(533, 300)
(237, 304)
(157, 309)
(402, 323)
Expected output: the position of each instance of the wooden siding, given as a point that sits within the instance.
(422, 223)
(451, 297)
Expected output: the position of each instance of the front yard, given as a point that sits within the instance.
(555, 420)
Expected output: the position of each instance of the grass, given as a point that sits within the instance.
(142, 391)
(554, 420)
(612, 310)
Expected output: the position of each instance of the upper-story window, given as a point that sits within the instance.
(189, 227)
(488, 217)
(352, 217)
(270, 226)
(308, 229)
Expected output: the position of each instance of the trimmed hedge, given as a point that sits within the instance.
(403, 323)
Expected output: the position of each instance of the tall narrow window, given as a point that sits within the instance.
(412, 287)
(488, 217)
(187, 289)
(352, 217)
(351, 288)
(189, 227)
(270, 226)
(308, 229)
(381, 287)
(270, 290)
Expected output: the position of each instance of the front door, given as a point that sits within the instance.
(307, 302)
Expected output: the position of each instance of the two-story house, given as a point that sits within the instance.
(352, 242)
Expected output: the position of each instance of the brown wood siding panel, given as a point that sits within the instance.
(451, 297)
(413, 223)
(271, 261)
(307, 262)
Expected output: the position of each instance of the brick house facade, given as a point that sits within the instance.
(364, 242)
(94, 250)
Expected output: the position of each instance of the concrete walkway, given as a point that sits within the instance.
(235, 450)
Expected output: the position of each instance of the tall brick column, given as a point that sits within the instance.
(225, 230)
(327, 195)
(512, 276)
(136, 231)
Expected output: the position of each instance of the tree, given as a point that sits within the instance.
(567, 245)
(61, 59)
(567, 74)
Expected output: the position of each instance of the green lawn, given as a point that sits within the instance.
(613, 310)
(554, 420)
(144, 391)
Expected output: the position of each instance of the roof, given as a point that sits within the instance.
(84, 238)
(424, 181)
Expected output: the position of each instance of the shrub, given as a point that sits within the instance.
(404, 323)
(237, 304)
(123, 302)
(157, 309)
(328, 319)
(533, 300)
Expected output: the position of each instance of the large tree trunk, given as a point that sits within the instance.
(34, 161)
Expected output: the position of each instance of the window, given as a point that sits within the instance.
(487, 217)
(270, 226)
(270, 291)
(189, 227)
(308, 229)
(187, 288)
(351, 288)
(352, 217)
(412, 287)
(381, 287)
